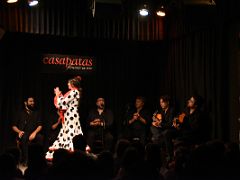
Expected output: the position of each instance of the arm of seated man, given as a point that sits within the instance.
(34, 133)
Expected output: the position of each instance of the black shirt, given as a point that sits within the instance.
(53, 133)
(193, 125)
(27, 122)
(106, 117)
(167, 118)
(138, 125)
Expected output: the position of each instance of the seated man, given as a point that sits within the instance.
(27, 125)
(188, 127)
(162, 119)
(99, 124)
(139, 121)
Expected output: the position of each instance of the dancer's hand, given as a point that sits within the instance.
(57, 91)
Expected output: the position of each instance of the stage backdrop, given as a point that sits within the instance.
(117, 70)
(69, 64)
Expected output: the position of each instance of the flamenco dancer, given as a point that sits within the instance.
(68, 107)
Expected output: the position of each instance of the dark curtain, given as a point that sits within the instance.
(74, 19)
(197, 65)
(200, 62)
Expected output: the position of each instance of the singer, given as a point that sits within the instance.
(99, 126)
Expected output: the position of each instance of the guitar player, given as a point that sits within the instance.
(188, 129)
(162, 119)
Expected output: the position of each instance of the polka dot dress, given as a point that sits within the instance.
(71, 125)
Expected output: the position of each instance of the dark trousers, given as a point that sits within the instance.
(168, 136)
(138, 135)
(99, 137)
(156, 134)
(24, 143)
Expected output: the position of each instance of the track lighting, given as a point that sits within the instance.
(32, 2)
(144, 10)
(12, 1)
(161, 11)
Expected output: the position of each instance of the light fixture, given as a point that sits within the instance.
(32, 2)
(161, 12)
(144, 11)
(12, 1)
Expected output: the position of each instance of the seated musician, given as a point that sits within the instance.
(162, 119)
(187, 127)
(139, 120)
(99, 125)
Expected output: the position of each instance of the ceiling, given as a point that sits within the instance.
(187, 2)
(109, 1)
(132, 6)
(66, 17)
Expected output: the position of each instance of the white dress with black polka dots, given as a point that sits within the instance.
(71, 125)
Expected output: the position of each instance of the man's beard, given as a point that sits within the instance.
(31, 107)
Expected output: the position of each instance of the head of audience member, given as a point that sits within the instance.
(79, 143)
(15, 152)
(8, 166)
(60, 155)
(36, 158)
(153, 154)
(105, 164)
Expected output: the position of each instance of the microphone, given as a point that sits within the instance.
(154, 115)
(155, 112)
(127, 107)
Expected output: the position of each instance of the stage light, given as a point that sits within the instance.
(144, 11)
(161, 12)
(32, 2)
(12, 1)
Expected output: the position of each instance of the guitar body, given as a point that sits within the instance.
(181, 117)
(159, 116)
(157, 119)
(178, 120)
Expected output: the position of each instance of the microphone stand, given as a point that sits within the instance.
(126, 115)
(103, 128)
(124, 124)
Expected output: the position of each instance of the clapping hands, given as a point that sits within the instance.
(57, 91)
(96, 122)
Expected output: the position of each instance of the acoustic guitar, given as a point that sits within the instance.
(178, 120)
(157, 119)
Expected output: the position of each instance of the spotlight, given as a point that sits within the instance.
(161, 12)
(32, 2)
(144, 11)
(12, 1)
